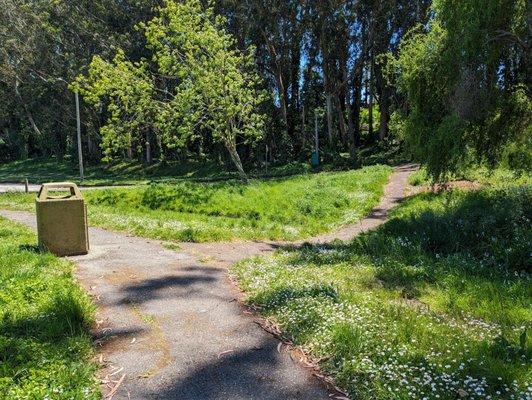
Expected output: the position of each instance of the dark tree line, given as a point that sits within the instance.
(315, 57)
(44, 45)
(365, 70)
(325, 57)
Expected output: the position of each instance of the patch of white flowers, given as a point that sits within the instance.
(377, 348)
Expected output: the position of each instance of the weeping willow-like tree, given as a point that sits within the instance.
(465, 78)
(197, 83)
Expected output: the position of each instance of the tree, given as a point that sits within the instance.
(465, 78)
(128, 91)
(209, 86)
(43, 46)
(310, 56)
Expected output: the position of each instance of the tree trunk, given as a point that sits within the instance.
(384, 95)
(329, 118)
(351, 133)
(341, 120)
(278, 79)
(27, 111)
(355, 112)
(282, 97)
(370, 104)
(384, 119)
(148, 153)
(159, 146)
(350, 122)
(303, 128)
(235, 158)
(91, 147)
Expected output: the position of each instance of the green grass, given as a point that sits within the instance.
(202, 169)
(434, 304)
(45, 352)
(498, 177)
(40, 170)
(288, 208)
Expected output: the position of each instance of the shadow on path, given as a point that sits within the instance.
(241, 375)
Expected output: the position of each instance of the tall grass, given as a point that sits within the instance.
(434, 304)
(288, 208)
(45, 351)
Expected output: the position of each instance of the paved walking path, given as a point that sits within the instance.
(170, 324)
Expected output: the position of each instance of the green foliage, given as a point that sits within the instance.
(128, 92)
(463, 76)
(209, 86)
(490, 225)
(44, 44)
(218, 87)
(434, 304)
(45, 349)
(289, 208)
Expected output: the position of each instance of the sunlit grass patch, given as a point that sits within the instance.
(45, 351)
(434, 304)
(289, 208)
(497, 177)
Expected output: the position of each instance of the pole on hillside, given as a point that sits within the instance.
(80, 155)
(316, 135)
(316, 155)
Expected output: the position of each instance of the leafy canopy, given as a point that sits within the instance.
(198, 83)
(464, 78)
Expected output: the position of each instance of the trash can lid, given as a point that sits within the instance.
(46, 187)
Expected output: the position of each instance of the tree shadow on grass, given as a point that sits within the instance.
(32, 248)
(57, 334)
(66, 315)
(487, 228)
(472, 246)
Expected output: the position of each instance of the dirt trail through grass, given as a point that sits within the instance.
(227, 254)
(169, 323)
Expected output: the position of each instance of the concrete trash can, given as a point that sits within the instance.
(62, 220)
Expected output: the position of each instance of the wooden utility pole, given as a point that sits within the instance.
(80, 155)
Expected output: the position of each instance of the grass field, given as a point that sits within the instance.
(124, 173)
(45, 352)
(40, 170)
(436, 304)
(498, 177)
(288, 208)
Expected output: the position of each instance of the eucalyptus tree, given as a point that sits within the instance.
(43, 46)
(277, 30)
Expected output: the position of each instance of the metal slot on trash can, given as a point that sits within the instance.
(62, 220)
